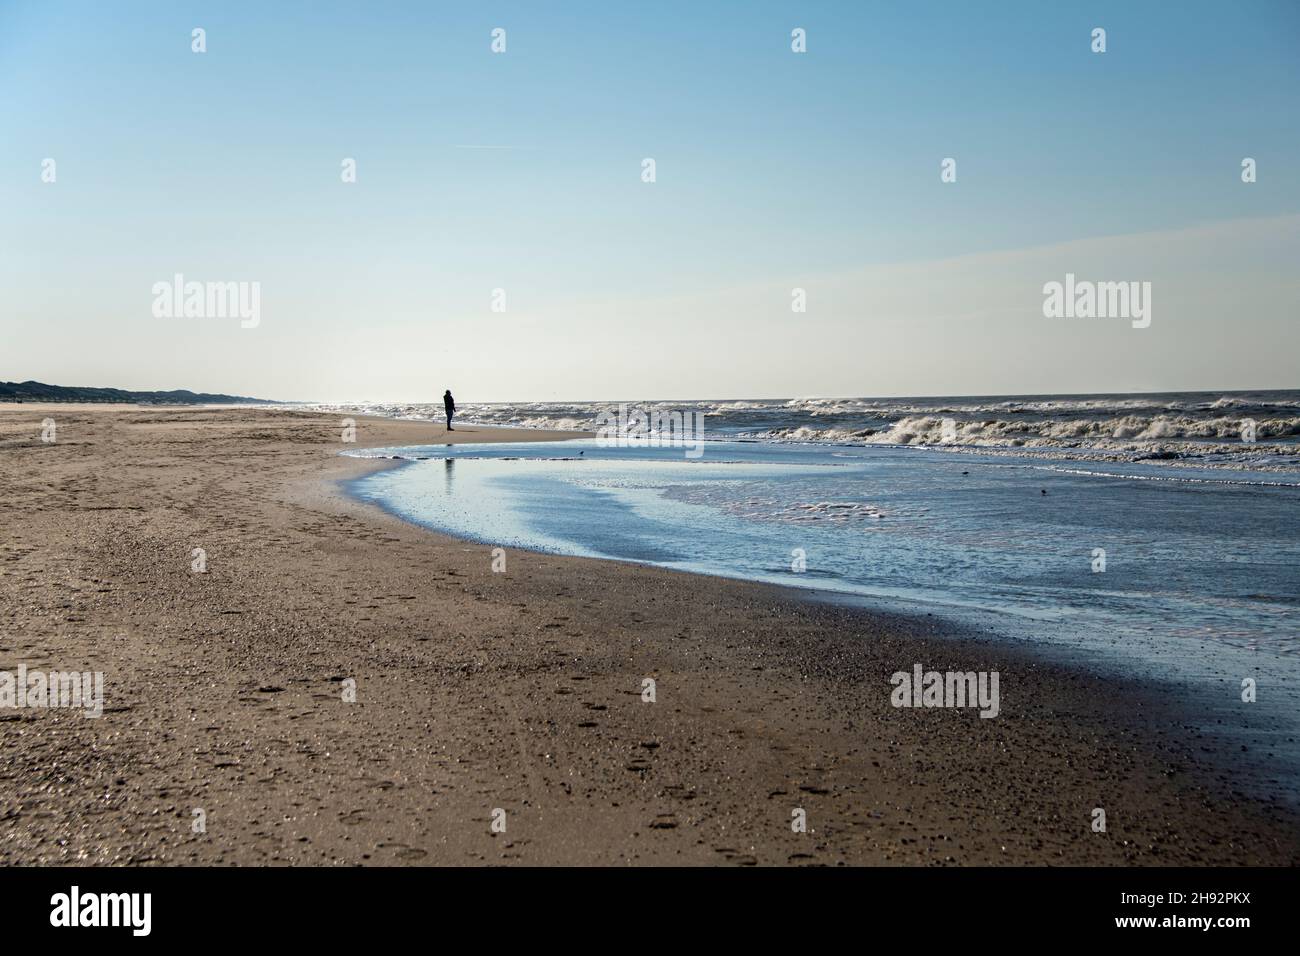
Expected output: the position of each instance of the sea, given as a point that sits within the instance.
(1156, 536)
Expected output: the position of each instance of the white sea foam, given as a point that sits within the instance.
(1204, 429)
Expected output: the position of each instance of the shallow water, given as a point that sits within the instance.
(1201, 578)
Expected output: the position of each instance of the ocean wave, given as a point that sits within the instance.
(934, 430)
(1207, 429)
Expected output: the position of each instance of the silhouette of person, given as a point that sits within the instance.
(449, 403)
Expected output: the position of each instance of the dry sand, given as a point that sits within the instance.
(520, 691)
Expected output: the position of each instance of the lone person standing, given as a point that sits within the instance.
(449, 403)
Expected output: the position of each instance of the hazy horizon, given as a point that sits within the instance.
(437, 400)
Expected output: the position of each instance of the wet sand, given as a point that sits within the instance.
(519, 691)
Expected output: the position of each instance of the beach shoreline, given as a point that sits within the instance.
(520, 691)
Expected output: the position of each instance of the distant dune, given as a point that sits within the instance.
(40, 392)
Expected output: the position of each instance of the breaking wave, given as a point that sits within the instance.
(1205, 429)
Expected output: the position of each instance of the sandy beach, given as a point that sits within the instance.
(476, 692)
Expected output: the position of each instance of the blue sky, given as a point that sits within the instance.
(774, 169)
